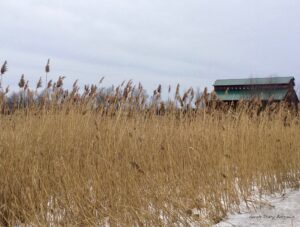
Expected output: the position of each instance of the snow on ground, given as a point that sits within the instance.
(275, 211)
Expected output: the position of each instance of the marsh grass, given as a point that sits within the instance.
(96, 158)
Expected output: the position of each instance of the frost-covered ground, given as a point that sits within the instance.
(280, 210)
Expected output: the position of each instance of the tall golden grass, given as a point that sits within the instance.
(68, 159)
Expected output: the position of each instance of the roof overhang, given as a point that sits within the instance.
(254, 81)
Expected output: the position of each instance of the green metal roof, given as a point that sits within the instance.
(235, 95)
(252, 81)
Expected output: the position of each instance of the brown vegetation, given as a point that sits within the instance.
(90, 158)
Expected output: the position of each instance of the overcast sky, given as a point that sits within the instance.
(191, 42)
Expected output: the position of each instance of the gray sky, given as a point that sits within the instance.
(191, 42)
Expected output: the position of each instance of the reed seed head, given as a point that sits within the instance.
(4, 68)
(39, 83)
(47, 68)
(22, 82)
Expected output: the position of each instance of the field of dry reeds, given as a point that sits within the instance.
(116, 158)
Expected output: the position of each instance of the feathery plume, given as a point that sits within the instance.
(2, 71)
(101, 80)
(93, 90)
(159, 89)
(75, 83)
(47, 67)
(60, 81)
(86, 89)
(39, 83)
(26, 85)
(4, 68)
(7, 90)
(47, 70)
(177, 90)
(49, 84)
(22, 82)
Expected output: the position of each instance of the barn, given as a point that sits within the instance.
(271, 88)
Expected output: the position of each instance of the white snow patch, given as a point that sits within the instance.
(276, 211)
